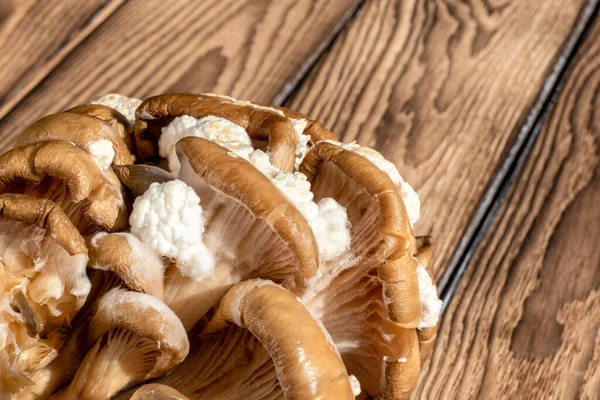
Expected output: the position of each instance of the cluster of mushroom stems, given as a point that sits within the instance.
(197, 246)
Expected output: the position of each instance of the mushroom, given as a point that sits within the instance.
(101, 139)
(112, 117)
(133, 337)
(229, 188)
(138, 178)
(368, 299)
(116, 260)
(285, 351)
(287, 257)
(156, 391)
(42, 285)
(60, 171)
(156, 113)
(122, 260)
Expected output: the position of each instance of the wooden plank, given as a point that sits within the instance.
(35, 36)
(249, 49)
(442, 89)
(525, 322)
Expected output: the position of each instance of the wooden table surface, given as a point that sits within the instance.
(490, 109)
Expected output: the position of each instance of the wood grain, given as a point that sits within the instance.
(36, 35)
(249, 49)
(442, 89)
(525, 321)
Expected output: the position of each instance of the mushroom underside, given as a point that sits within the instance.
(245, 246)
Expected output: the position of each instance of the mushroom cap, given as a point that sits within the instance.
(133, 262)
(35, 169)
(264, 343)
(82, 128)
(110, 116)
(369, 298)
(47, 215)
(307, 362)
(270, 238)
(396, 244)
(156, 391)
(261, 124)
(147, 317)
(237, 179)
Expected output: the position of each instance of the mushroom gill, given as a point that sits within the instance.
(92, 200)
(116, 260)
(368, 299)
(252, 230)
(42, 284)
(263, 343)
(133, 337)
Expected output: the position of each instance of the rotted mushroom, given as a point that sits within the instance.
(368, 298)
(133, 337)
(62, 172)
(42, 286)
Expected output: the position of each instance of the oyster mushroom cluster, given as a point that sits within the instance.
(218, 248)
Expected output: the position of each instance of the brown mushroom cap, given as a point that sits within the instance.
(252, 230)
(307, 363)
(372, 190)
(157, 112)
(124, 257)
(47, 215)
(111, 117)
(275, 349)
(133, 337)
(156, 391)
(80, 128)
(91, 199)
(369, 298)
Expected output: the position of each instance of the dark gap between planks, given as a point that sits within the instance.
(290, 88)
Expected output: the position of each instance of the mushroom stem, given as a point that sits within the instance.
(138, 178)
(307, 363)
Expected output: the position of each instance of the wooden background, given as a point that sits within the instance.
(490, 108)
